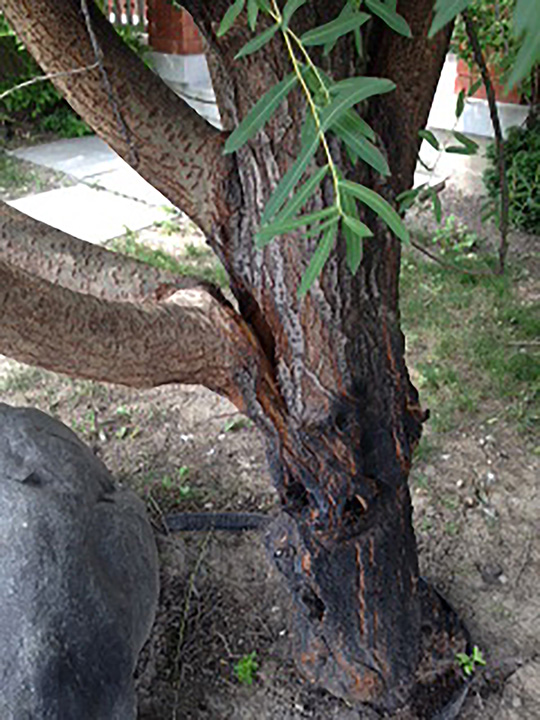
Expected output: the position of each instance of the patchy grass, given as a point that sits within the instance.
(470, 339)
(19, 178)
(202, 264)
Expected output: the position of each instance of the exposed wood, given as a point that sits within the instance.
(175, 149)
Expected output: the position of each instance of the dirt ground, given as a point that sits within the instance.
(476, 512)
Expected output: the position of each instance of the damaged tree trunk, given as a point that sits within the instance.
(324, 377)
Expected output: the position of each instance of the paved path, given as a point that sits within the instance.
(109, 198)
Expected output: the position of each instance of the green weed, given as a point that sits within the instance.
(246, 668)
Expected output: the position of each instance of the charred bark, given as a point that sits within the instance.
(324, 378)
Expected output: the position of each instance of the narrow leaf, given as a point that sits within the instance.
(429, 137)
(335, 29)
(268, 233)
(361, 89)
(408, 198)
(260, 113)
(320, 256)
(253, 14)
(527, 23)
(459, 150)
(361, 146)
(258, 42)
(353, 242)
(292, 176)
(301, 197)
(437, 208)
(475, 87)
(358, 227)
(390, 17)
(445, 11)
(379, 205)
(318, 229)
(460, 104)
(467, 142)
(290, 8)
(230, 16)
(358, 124)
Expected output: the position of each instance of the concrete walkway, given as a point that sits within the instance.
(109, 197)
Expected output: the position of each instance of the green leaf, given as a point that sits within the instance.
(292, 176)
(253, 13)
(527, 23)
(348, 10)
(304, 193)
(445, 11)
(320, 256)
(459, 150)
(291, 6)
(460, 103)
(268, 233)
(260, 113)
(390, 17)
(358, 124)
(320, 228)
(407, 198)
(475, 87)
(353, 241)
(430, 138)
(379, 205)
(335, 29)
(466, 142)
(258, 42)
(230, 16)
(361, 146)
(356, 90)
(437, 208)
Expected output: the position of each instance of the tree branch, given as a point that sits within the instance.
(177, 151)
(189, 338)
(499, 139)
(53, 255)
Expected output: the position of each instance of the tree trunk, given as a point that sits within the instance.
(325, 378)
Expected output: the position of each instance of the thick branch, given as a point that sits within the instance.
(190, 338)
(53, 255)
(175, 149)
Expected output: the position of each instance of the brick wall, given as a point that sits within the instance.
(171, 30)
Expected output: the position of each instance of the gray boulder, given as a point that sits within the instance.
(78, 577)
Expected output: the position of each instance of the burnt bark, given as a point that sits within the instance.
(324, 378)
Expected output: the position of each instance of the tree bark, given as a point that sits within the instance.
(324, 378)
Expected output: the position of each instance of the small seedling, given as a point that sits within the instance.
(246, 668)
(183, 472)
(468, 663)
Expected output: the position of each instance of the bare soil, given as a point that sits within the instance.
(476, 511)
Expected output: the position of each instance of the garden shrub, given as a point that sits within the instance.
(522, 156)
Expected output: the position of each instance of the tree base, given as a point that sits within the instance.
(435, 691)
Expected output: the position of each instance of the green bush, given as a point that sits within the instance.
(40, 103)
(522, 156)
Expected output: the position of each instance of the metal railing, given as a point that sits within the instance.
(128, 12)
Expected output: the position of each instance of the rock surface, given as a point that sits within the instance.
(78, 577)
